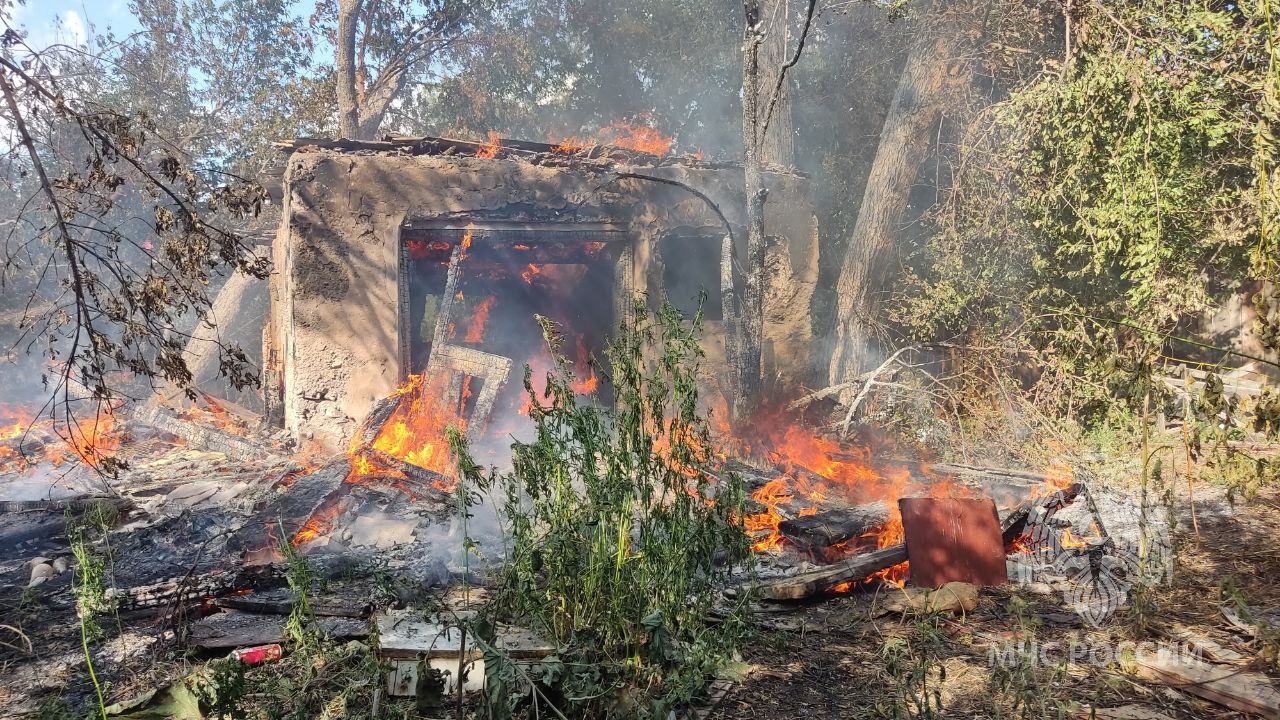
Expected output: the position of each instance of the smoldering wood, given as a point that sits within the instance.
(1014, 522)
(424, 480)
(833, 527)
(492, 369)
(78, 504)
(198, 435)
(377, 417)
(168, 593)
(454, 361)
(444, 315)
(279, 601)
(856, 568)
(290, 510)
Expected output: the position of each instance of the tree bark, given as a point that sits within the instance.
(777, 140)
(743, 350)
(928, 82)
(349, 125)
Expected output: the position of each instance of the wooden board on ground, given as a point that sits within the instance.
(222, 631)
(279, 601)
(1231, 687)
(856, 568)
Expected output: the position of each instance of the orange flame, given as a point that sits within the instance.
(318, 525)
(91, 438)
(895, 576)
(627, 135)
(479, 318)
(569, 146)
(637, 137)
(1071, 541)
(772, 494)
(1021, 545)
(530, 273)
(490, 149)
(416, 432)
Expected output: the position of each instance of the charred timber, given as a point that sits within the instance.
(1015, 523)
(199, 436)
(291, 509)
(833, 527)
(814, 582)
(428, 481)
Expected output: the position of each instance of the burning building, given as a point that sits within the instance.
(431, 256)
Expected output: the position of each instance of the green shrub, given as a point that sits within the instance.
(620, 531)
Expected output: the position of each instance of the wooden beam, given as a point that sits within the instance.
(856, 568)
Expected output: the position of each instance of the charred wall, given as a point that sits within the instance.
(333, 343)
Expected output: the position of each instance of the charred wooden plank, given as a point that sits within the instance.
(200, 436)
(833, 527)
(856, 568)
(429, 482)
(73, 504)
(280, 601)
(377, 417)
(222, 631)
(290, 509)
(1015, 522)
(167, 593)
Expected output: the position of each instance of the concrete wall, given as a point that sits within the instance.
(335, 305)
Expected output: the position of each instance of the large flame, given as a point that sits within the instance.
(417, 430)
(818, 470)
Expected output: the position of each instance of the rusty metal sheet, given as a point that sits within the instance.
(953, 539)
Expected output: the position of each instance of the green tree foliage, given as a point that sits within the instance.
(230, 76)
(1115, 196)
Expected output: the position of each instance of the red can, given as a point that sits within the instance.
(258, 654)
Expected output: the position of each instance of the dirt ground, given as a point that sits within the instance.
(829, 659)
(836, 657)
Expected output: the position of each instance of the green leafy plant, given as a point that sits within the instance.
(620, 529)
(89, 584)
(301, 579)
(1022, 684)
(220, 688)
(914, 667)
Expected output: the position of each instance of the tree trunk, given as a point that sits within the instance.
(777, 141)
(928, 82)
(345, 72)
(743, 344)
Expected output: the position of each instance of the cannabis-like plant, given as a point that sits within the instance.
(621, 529)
